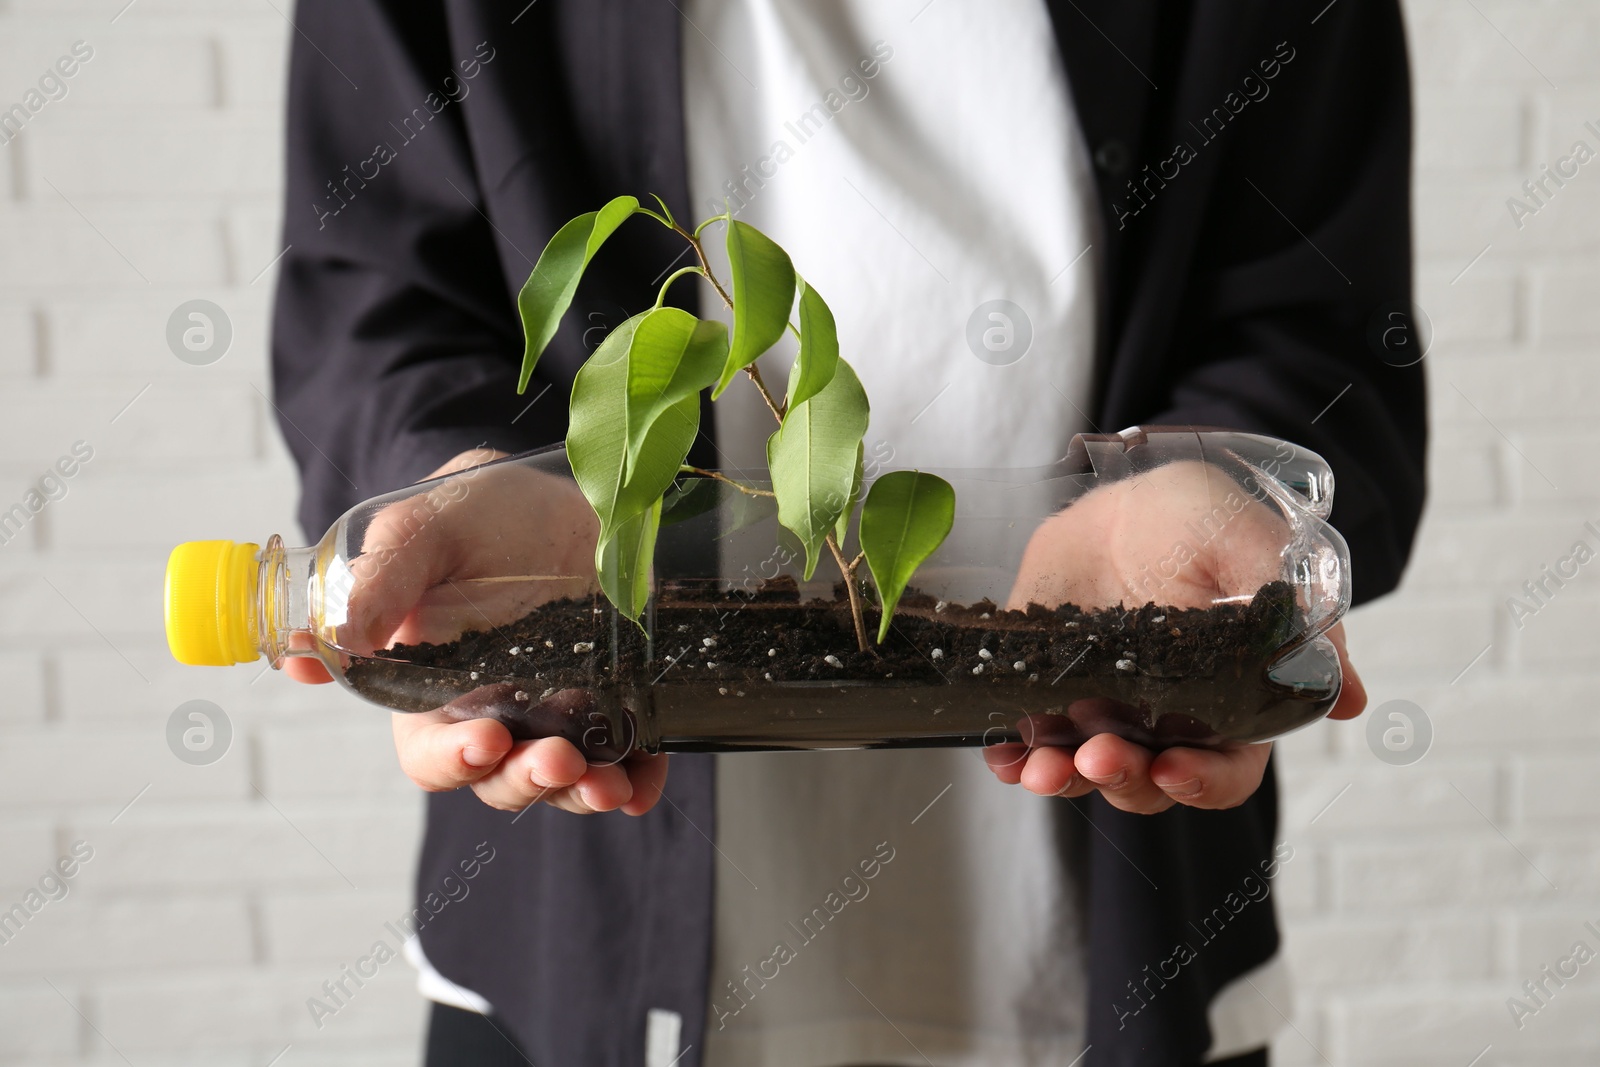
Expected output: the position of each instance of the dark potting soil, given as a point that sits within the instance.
(736, 641)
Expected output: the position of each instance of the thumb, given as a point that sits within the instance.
(1353, 694)
(306, 670)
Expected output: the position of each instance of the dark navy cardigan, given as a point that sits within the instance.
(1252, 165)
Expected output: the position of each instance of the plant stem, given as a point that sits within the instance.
(669, 221)
(700, 253)
(661, 297)
(726, 216)
(774, 406)
(748, 490)
(848, 570)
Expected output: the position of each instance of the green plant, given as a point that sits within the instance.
(635, 411)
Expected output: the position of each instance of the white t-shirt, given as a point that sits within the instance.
(915, 199)
(919, 161)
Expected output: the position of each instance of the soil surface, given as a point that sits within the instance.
(547, 673)
(773, 637)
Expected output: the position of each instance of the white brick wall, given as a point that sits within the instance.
(1439, 888)
(1418, 902)
(225, 895)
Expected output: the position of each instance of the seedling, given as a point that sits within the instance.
(635, 411)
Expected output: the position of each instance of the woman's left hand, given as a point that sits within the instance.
(1135, 779)
(1103, 551)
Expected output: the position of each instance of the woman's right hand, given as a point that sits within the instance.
(439, 750)
(440, 753)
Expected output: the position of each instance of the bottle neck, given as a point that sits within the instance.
(284, 597)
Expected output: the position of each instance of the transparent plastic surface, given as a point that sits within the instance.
(1169, 586)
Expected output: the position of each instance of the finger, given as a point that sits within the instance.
(554, 771)
(1050, 772)
(440, 754)
(1353, 694)
(648, 776)
(1234, 543)
(470, 458)
(1006, 761)
(1249, 552)
(1121, 771)
(406, 550)
(1218, 779)
(306, 670)
(603, 789)
(547, 770)
(407, 547)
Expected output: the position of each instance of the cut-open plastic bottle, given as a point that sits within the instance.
(1170, 586)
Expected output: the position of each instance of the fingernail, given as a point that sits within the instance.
(473, 756)
(1183, 789)
(1072, 783)
(1114, 782)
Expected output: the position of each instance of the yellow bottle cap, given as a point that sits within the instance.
(211, 603)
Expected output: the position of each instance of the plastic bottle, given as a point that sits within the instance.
(1170, 586)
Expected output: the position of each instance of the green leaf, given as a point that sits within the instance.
(819, 347)
(842, 530)
(673, 355)
(740, 511)
(813, 456)
(628, 504)
(666, 212)
(763, 292)
(548, 291)
(907, 515)
(623, 560)
(689, 498)
(597, 435)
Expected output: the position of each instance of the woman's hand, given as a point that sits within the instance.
(441, 753)
(1116, 545)
(466, 536)
(1135, 779)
